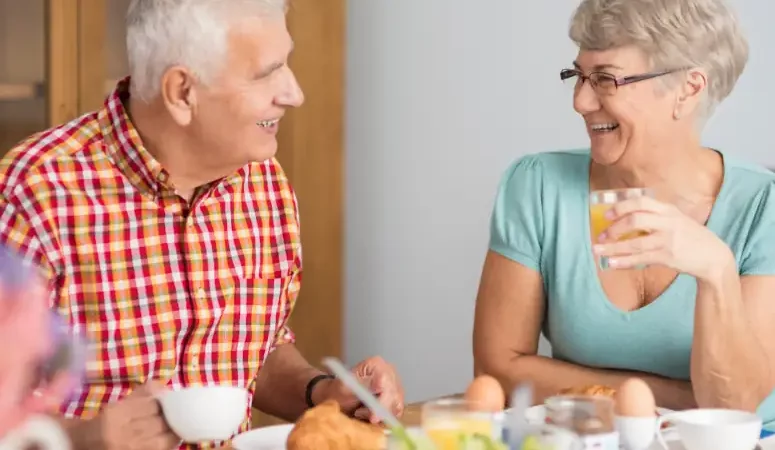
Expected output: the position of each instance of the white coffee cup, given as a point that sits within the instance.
(38, 431)
(713, 429)
(636, 433)
(207, 413)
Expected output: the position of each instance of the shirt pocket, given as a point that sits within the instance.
(255, 310)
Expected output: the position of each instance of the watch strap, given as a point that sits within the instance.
(311, 385)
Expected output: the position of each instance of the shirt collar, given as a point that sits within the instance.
(124, 146)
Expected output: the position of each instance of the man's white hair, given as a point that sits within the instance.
(674, 34)
(191, 33)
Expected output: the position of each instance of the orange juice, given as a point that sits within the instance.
(599, 223)
(446, 432)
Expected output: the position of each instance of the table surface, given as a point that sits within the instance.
(410, 418)
(412, 414)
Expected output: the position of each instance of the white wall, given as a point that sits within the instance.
(442, 95)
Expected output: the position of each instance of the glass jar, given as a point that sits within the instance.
(589, 417)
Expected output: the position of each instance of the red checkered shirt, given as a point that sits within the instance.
(189, 293)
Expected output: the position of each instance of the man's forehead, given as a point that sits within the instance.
(261, 40)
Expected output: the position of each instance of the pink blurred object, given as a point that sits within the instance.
(41, 360)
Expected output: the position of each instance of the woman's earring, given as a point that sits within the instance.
(677, 115)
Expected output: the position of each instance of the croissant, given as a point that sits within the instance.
(325, 427)
(592, 390)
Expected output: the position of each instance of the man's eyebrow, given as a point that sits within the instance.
(266, 71)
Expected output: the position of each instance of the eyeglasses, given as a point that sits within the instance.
(606, 84)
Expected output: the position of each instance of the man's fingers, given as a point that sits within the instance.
(139, 408)
(362, 413)
(150, 428)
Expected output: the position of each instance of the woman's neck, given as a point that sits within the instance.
(687, 176)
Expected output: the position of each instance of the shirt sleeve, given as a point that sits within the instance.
(517, 222)
(18, 237)
(759, 252)
(284, 334)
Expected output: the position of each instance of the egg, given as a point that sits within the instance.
(486, 394)
(634, 399)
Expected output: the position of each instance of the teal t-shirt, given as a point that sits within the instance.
(541, 220)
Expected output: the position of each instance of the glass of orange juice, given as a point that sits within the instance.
(600, 202)
(448, 422)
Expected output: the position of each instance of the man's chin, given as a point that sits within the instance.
(264, 153)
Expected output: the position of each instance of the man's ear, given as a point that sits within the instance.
(690, 93)
(179, 94)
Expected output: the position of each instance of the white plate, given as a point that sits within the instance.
(266, 438)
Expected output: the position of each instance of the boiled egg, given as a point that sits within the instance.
(634, 399)
(486, 394)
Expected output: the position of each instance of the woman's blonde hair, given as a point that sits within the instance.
(704, 34)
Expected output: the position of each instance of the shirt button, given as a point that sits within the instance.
(200, 293)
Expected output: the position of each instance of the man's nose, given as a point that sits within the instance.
(291, 95)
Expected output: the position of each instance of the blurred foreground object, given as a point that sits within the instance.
(40, 359)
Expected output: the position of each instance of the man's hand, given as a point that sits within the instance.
(376, 375)
(136, 422)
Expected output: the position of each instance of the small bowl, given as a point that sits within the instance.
(208, 413)
(636, 433)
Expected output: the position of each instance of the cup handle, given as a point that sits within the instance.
(661, 420)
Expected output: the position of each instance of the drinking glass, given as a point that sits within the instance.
(447, 422)
(591, 418)
(600, 202)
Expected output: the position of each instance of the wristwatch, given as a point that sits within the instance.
(311, 385)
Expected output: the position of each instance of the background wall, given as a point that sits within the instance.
(442, 95)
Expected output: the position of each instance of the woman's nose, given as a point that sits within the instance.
(585, 100)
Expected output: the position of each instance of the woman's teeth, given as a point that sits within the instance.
(267, 123)
(604, 126)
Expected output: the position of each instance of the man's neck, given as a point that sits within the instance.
(163, 139)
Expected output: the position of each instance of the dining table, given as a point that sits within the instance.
(412, 415)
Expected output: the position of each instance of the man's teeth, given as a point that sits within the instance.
(604, 126)
(267, 123)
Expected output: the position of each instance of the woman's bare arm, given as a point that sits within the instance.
(733, 352)
(510, 309)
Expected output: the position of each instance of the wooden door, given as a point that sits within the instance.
(312, 153)
(38, 74)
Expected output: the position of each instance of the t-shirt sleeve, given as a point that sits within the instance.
(516, 225)
(759, 252)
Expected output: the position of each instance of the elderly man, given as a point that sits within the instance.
(168, 232)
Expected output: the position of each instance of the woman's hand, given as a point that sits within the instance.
(673, 240)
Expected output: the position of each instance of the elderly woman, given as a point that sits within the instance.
(689, 307)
